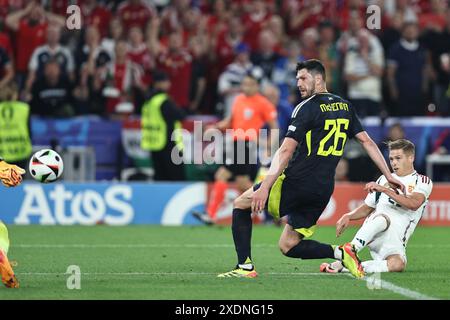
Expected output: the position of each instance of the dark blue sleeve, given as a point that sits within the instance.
(300, 123)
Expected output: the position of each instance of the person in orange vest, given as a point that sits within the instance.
(250, 112)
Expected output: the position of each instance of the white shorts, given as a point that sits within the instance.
(394, 239)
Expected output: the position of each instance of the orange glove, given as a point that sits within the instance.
(10, 174)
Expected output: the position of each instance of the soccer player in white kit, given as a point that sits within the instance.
(391, 217)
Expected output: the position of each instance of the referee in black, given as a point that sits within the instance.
(300, 180)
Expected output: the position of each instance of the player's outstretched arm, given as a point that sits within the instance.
(410, 201)
(279, 163)
(361, 212)
(10, 174)
(375, 154)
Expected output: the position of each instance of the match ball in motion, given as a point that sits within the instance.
(46, 166)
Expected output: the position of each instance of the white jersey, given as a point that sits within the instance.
(414, 183)
(402, 220)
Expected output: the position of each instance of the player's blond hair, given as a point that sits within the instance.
(403, 144)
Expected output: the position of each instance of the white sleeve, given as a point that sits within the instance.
(349, 63)
(224, 83)
(70, 62)
(371, 198)
(424, 186)
(33, 64)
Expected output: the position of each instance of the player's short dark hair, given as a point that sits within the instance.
(403, 144)
(313, 66)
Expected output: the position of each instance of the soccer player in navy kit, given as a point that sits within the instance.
(300, 180)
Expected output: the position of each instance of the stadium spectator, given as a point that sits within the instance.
(198, 76)
(220, 55)
(266, 55)
(229, 85)
(218, 20)
(329, 55)
(60, 6)
(276, 26)
(349, 38)
(176, 61)
(171, 16)
(140, 54)
(151, 35)
(438, 43)
(92, 54)
(30, 27)
(116, 33)
(120, 78)
(5, 41)
(160, 117)
(301, 15)
(51, 94)
(285, 70)
(52, 50)
(193, 24)
(393, 31)
(223, 45)
(363, 69)
(284, 108)
(95, 14)
(406, 9)
(6, 69)
(309, 41)
(254, 22)
(407, 73)
(90, 60)
(135, 13)
(352, 9)
(8, 6)
(435, 17)
(395, 132)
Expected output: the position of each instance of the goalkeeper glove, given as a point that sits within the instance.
(10, 174)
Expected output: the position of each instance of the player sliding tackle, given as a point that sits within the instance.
(300, 180)
(11, 176)
(390, 217)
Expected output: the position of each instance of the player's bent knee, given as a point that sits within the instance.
(286, 245)
(396, 265)
(388, 221)
(242, 202)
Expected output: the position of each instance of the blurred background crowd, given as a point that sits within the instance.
(207, 46)
(401, 69)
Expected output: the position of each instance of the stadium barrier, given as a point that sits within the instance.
(161, 203)
(114, 140)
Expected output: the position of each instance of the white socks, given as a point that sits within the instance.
(337, 253)
(372, 266)
(368, 231)
(246, 266)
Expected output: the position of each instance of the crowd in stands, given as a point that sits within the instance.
(206, 46)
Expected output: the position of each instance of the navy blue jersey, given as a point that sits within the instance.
(321, 125)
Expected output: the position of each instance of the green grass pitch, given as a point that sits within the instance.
(154, 262)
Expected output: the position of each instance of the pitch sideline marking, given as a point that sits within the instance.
(399, 290)
(186, 245)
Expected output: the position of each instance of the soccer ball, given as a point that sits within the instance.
(46, 166)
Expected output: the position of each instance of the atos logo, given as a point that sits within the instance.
(85, 207)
